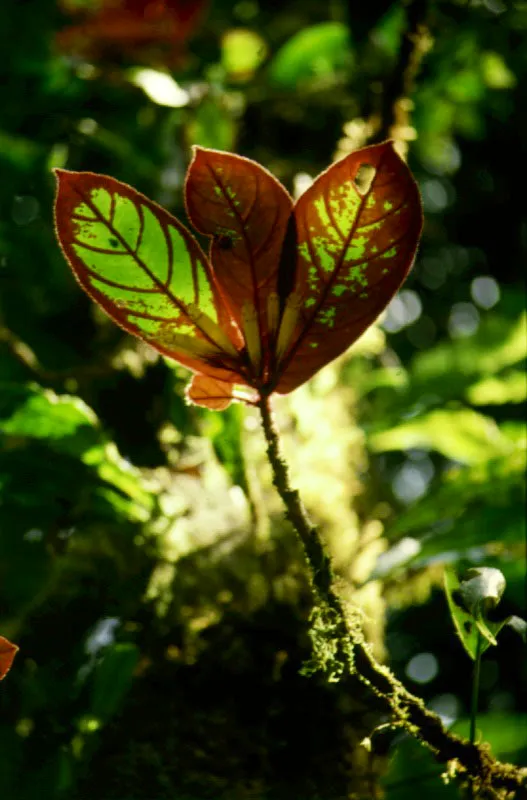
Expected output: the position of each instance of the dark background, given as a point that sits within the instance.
(146, 571)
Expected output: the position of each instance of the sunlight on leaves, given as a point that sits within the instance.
(285, 289)
(460, 434)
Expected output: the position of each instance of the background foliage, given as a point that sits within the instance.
(146, 571)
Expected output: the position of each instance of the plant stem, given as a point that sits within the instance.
(475, 690)
(472, 760)
(399, 84)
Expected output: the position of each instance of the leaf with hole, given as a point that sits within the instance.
(357, 229)
(286, 288)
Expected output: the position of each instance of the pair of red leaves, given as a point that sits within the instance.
(7, 653)
(286, 287)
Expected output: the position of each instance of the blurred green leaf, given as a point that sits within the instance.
(461, 434)
(68, 427)
(496, 73)
(242, 52)
(212, 125)
(505, 732)
(65, 423)
(461, 513)
(497, 344)
(389, 30)
(316, 52)
(508, 388)
(112, 679)
(413, 770)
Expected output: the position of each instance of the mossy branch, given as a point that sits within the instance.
(353, 654)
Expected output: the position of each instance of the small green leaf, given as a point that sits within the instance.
(467, 627)
(469, 602)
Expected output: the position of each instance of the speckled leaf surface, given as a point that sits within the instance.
(285, 288)
(246, 211)
(357, 227)
(145, 269)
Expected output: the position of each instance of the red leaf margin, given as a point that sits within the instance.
(8, 651)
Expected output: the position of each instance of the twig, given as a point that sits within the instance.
(475, 761)
(396, 103)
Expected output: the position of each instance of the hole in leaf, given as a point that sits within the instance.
(467, 626)
(364, 178)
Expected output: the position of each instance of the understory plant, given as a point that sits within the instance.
(285, 288)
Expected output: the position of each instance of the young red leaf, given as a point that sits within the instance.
(357, 229)
(246, 211)
(209, 392)
(286, 291)
(146, 271)
(7, 653)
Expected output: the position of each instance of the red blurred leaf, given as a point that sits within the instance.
(146, 270)
(209, 392)
(357, 230)
(141, 29)
(7, 653)
(245, 210)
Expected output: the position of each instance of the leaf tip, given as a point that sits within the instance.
(8, 651)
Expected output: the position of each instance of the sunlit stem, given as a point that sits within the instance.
(475, 689)
(211, 330)
(273, 313)
(288, 325)
(251, 333)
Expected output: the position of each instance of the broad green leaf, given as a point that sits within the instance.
(145, 270)
(461, 434)
(246, 211)
(8, 652)
(317, 52)
(357, 229)
(67, 426)
(64, 422)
